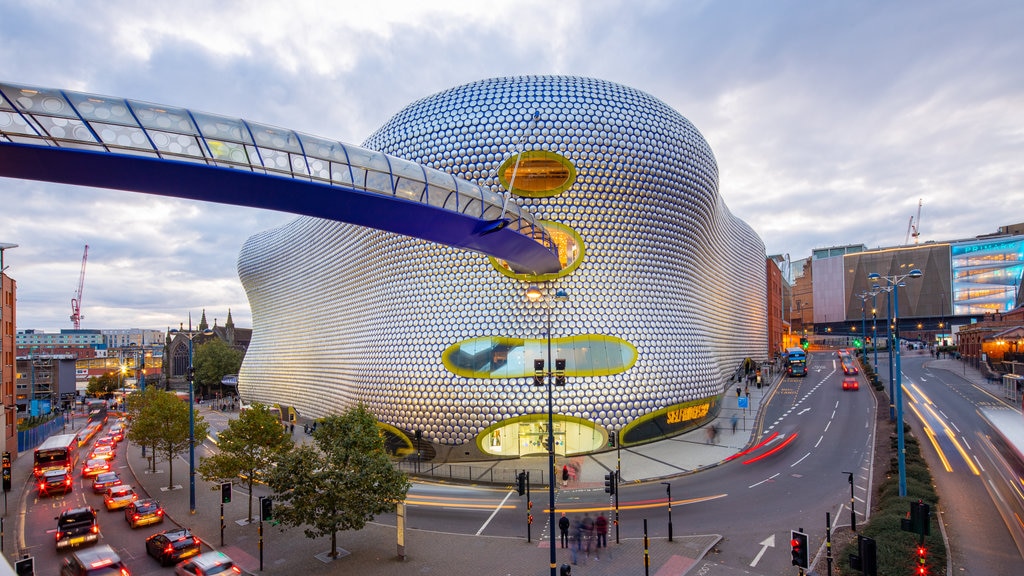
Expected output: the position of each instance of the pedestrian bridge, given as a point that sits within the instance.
(88, 140)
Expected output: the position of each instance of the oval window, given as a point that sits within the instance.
(537, 174)
(570, 254)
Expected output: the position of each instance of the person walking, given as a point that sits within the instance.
(565, 475)
(563, 527)
(601, 533)
(587, 529)
(734, 421)
(576, 544)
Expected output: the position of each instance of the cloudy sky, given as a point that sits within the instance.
(830, 120)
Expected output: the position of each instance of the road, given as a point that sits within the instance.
(978, 484)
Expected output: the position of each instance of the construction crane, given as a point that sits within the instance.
(76, 302)
(912, 228)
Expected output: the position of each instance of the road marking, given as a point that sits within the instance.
(494, 513)
(768, 542)
(800, 460)
(802, 411)
(768, 479)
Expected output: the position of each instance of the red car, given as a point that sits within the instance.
(53, 481)
(851, 384)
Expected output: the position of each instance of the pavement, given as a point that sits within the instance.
(375, 549)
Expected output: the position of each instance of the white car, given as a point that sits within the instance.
(208, 564)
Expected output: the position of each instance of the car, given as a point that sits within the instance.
(849, 368)
(144, 511)
(208, 564)
(95, 467)
(850, 383)
(97, 561)
(53, 481)
(171, 546)
(101, 482)
(102, 452)
(105, 441)
(77, 526)
(118, 497)
(117, 433)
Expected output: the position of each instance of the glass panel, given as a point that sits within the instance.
(101, 109)
(379, 182)
(278, 138)
(12, 122)
(321, 148)
(163, 117)
(38, 100)
(66, 129)
(222, 128)
(275, 160)
(178, 144)
(228, 151)
(124, 136)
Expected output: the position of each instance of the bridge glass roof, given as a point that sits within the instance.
(61, 118)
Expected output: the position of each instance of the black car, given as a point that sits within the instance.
(77, 526)
(53, 481)
(171, 546)
(98, 561)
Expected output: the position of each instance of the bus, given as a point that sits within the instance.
(796, 362)
(56, 452)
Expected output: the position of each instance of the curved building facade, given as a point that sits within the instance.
(661, 296)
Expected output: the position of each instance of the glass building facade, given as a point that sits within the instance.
(666, 288)
(986, 275)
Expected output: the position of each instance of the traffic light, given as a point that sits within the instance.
(559, 371)
(798, 542)
(611, 439)
(857, 343)
(922, 561)
(804, 344)
(191, 373)
(610, 482)
(538, 372)
(225, 492)
(266, 509)
(521, 483)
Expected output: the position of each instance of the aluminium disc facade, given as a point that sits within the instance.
(662, 294)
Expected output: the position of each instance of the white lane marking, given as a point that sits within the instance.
(800, 460)
(495, 513)
(772, 477)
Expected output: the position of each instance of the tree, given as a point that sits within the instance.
(142, 430)
(213, 360)
(103, 385)
(162, 423)
(249, 448)
(340, 481)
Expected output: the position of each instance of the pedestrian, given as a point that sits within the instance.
(734, 421)
(737, 391)
(292, 428)
(563, 527)
(714, 434)
(576, 543)
(565, 475)
(601, 532)
(587, 529)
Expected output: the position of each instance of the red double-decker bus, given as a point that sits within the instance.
(56, 452)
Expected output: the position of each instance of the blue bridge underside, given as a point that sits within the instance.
(218, 184)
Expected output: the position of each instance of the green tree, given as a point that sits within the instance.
(162, 423)
(248, 448)
(141, 430)
(213, 360)
(103, 385)
(340, 481)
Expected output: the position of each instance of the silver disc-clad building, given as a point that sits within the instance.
(661, 296)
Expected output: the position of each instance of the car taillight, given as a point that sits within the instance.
(198, 541)
(125, 572)
(169, 549)
(59, 534)
(95, 529)
(42, 486)
(68, 481)
(236, 569)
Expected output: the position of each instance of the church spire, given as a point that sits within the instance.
(203, 324)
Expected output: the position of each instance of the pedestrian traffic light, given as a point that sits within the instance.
(191, 373)
(798, 543)
(609, 482)
(559, 371)
(266, 509)
(611, 439)
(857, 343)
(521, 483)
(538, 372)
(922, 561)
(225, 492)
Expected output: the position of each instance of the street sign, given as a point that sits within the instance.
(743, 402)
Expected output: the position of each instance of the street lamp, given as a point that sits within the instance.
(191, 334)
(894, 282)
(534, 294)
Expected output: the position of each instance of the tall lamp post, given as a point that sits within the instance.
(534, 294)
(874, 326)
(894, 282)
(191, 335)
